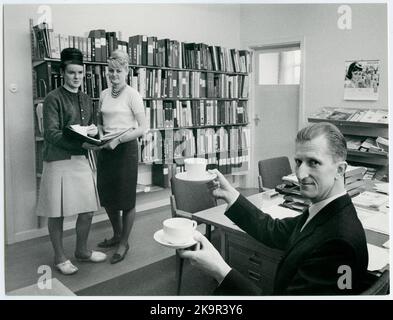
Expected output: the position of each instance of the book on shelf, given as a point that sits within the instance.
(79, 133)
(370, 145)
(354, 142)
(340, 114)
(382, 144)
(214, 88)
(358, 184)
(352, 114)
(354, 170)
(370, 173)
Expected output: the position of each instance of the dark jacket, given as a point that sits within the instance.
(63, 108)
(310, 265)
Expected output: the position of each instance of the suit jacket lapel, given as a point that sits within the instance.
(321, 217)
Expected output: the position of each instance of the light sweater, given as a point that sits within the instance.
(119, 113)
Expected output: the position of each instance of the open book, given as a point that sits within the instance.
(79, 132)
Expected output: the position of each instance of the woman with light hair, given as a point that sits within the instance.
(121, 108)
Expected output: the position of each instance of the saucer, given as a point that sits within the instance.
(206, 177)
(160, 238)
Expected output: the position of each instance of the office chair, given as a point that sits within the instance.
(271, 171)
(187, 198)
(377, 285)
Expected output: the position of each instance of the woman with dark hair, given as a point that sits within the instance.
(121, 107)
(353, 78)
(67, 183)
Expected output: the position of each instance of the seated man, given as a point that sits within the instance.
(321, 246)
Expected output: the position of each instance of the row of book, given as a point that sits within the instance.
(97, 47)
(369, 144)
(94, 81)
(189, 113)
(153, 83)
(351, 114)
(143, 50)
(227, 152)
(156, 83)
(225, 148)
(150, 51)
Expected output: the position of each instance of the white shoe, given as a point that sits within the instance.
(66, 268)
(96, 256)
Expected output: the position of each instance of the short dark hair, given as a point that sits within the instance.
(354, 66)
(335, 139)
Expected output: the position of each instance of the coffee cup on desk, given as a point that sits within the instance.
(179, 230)
(195, 167)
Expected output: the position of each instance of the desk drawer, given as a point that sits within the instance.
(254, 260)
(243, 262)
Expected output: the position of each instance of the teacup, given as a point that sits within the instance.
(179, 230)
(195, 167)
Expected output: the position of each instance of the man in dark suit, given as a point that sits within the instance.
(325, 250)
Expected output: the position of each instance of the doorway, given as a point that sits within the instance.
(277, 105)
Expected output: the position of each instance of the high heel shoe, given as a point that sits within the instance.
(117, 257)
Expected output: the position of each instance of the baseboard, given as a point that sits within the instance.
(36, 233)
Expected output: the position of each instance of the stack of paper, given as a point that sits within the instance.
(378, 257)
(378, 222)
(370, 200)
(382, 187)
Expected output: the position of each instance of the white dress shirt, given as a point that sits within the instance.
(316, 207)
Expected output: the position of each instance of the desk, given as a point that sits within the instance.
(242, 252)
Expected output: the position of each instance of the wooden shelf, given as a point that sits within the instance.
(361, 129)
(358, 128)
(374, 158)
(147, 189)
(194, 98)
(201, 127)
(38, 62)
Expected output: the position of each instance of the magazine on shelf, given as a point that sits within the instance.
(80, 133)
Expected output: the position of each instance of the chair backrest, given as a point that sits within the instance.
(192, 196)
(272, 170)
(377, 285)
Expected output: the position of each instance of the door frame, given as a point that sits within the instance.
(251, 180)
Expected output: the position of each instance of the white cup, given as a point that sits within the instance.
(179, 230)
(195, 167)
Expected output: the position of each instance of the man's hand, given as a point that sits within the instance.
(89, 146)
(222, 189)
(207, 258)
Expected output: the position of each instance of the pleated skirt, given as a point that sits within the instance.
(67, 188)
(117, 174)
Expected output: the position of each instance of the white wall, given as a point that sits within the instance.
(327, 47)
(211, 24)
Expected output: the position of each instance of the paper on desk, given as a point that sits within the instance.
(378, 222)
(377, 257)
(364, 213)
(386, 244)
(278, 212)
(382, 187)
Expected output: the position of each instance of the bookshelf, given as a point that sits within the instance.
(195, 97)
(366, 132)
